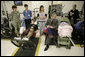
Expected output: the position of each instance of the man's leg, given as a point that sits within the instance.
(48, 41)
(18, 27)
(55, 34)
(16, 30)
(27, 23)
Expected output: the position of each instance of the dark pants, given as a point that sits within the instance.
(51, 36)
(27, 23)
(50, 40)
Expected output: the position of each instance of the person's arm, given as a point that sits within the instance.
(30, 13)
(36, 28)
(24, 13)
(47, 23)
(45, 16)
(70, 15)
(77, 13)
(55, 24)
(38, 16)
(18, 15)
(11, 16)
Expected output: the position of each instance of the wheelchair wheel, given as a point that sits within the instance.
(6, 32)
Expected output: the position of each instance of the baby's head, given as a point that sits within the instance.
(63, 23)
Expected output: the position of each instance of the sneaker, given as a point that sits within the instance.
(17, 38)
(25, 39)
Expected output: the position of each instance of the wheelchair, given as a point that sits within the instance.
(24, 43)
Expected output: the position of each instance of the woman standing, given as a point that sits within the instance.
(42, 15)
(41, 19)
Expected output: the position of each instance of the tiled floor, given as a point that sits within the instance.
(53, 51)
(7, 49)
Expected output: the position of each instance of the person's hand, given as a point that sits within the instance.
(32, 27)
(71, 13)
(36, 31)
(51, 27)
(48, 26)
(40, 17)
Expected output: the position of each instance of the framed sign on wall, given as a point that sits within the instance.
(18, 3)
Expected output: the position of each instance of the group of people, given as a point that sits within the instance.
(15, 17)
(51, 24)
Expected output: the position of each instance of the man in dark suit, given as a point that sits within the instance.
(74, 13)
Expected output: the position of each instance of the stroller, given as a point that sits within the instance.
(64, 33)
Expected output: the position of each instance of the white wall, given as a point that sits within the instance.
(37, 4)
(31, 5)
(19, 8)
(67, 5)
(9, 6)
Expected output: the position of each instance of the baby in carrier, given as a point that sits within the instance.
(64, 29)
(64, 32)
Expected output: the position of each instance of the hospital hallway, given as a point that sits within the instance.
(42, 28)
(8, 49)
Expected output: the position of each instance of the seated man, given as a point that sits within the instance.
(51, 30)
